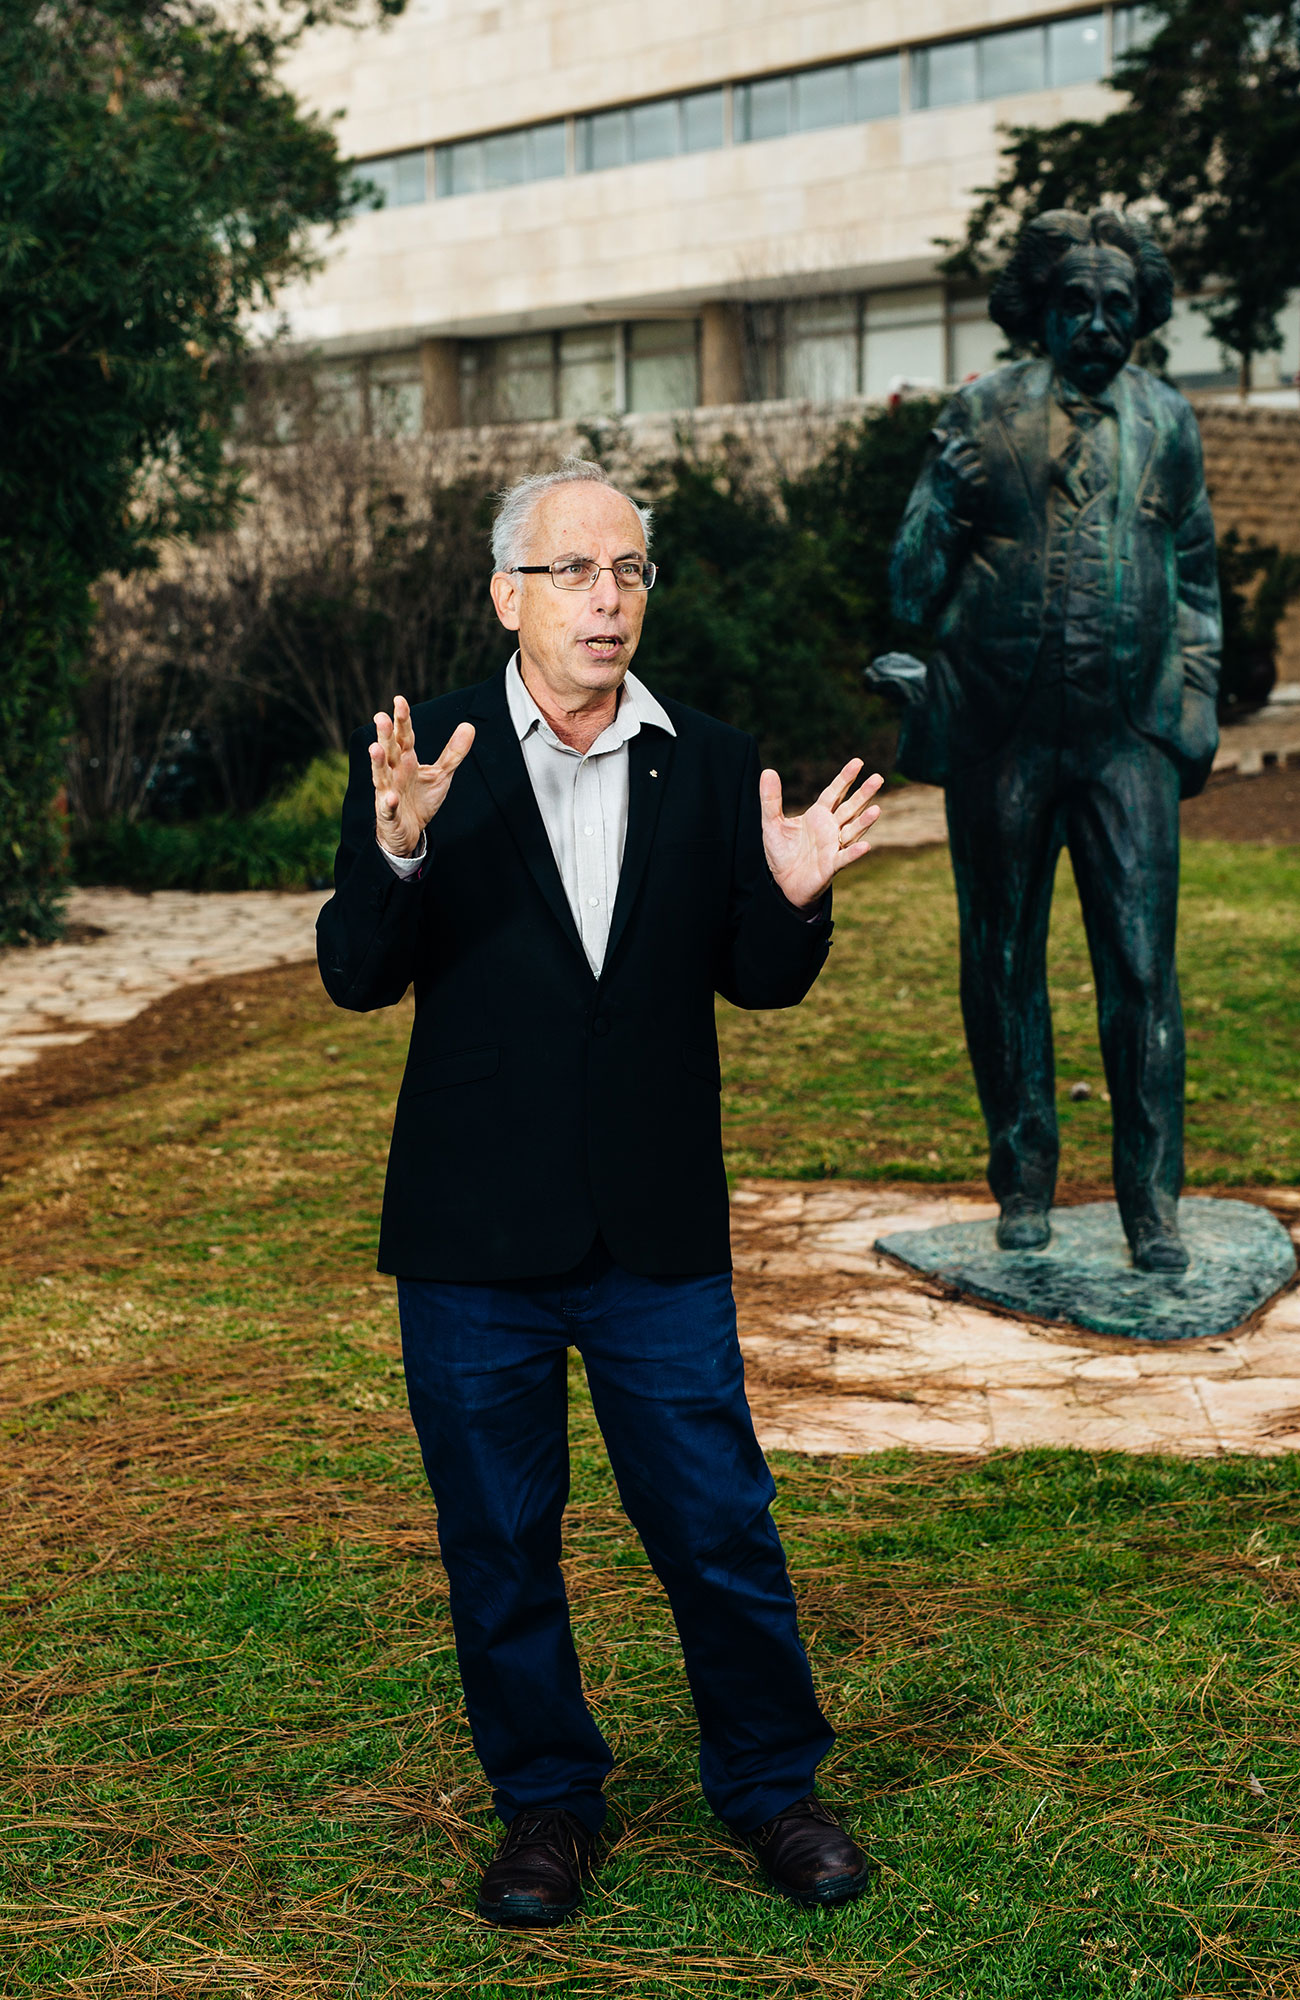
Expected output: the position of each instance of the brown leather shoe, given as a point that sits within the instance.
(808, 1856)
(535, 1876)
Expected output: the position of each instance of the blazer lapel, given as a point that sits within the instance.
(1024, 421)
(499, 755)
(649, 767)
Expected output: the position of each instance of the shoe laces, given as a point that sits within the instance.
(808, 1808)
(551, 1827)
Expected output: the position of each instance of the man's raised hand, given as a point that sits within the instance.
(805, 852)
(407, 792)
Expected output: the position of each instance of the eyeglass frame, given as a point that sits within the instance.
(548, 569)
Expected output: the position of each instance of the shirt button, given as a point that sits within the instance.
(594, 901)
(589, 829)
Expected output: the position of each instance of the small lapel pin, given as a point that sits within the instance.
(654, 774)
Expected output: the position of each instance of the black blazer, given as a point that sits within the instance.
(540, 1103)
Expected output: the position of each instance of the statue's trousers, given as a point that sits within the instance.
(1113, 802)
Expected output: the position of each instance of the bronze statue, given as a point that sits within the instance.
(1059, 544)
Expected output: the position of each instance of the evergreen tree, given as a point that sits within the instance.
(157, 184)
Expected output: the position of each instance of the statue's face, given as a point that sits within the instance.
(1092, 315)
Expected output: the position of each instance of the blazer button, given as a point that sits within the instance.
(600, 1026)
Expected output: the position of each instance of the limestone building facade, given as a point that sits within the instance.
(578, 210)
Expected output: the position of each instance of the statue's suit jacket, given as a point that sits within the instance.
(541, 1102)
(981, 584)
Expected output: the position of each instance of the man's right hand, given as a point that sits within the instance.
(407, 792)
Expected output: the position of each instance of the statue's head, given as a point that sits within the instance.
(1085, 288)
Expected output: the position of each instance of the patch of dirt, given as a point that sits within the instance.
(195, 1023)
(1264, 808)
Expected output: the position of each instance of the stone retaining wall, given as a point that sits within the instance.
(1252, 467)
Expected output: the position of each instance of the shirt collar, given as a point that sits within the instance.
(636, 707)
(1071, 398)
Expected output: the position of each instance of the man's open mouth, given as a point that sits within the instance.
(603, 644)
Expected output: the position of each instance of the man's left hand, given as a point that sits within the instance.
(806, 852)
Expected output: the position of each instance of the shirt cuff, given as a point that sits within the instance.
(405, 865)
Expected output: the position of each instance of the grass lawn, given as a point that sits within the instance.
(870, 1077)
(1067, 1687)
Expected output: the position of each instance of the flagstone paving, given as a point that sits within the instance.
(126, 951)
(847, 1351)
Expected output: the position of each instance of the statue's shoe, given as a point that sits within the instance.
(1023, 1225)
(1157, 1246)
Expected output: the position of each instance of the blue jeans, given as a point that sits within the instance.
(486, 1376)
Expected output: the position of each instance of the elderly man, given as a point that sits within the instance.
(567, 870)
(1060, 540)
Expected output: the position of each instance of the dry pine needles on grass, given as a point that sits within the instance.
(234, 1761)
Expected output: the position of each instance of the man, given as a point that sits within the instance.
(567, 869)
(1060, 539)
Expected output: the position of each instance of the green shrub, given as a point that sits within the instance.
(288, 843)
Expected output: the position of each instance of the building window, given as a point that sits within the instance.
(663, 364)
(396, 394)
(820, 348)
(502, 159)
(808, 100)
(946, 74)
(1076, 50)
(341, 406)
(584, 371)
(1132, 28)
(588, 371)
(973, 340)
(654, 131)
(904, 340)
(394, 181)
(1009, 63)
(827, 349)
(1006, 63)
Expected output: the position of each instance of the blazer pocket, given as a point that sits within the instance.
(437, 1072)
(704, 1064)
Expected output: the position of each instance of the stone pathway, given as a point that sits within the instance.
(848, 1352)
(1270, 738)
(54, 996)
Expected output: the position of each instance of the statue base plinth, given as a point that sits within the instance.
(1241, 1258)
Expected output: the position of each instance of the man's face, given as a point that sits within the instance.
(1092, 315)
(580, 642)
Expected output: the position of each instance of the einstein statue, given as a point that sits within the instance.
(1059, 546)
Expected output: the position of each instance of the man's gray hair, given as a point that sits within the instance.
(516, 503)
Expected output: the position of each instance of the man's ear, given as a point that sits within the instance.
(505, 598)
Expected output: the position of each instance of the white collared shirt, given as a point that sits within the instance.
(583, 800)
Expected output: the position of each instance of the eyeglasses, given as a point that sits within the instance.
(582, 572)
